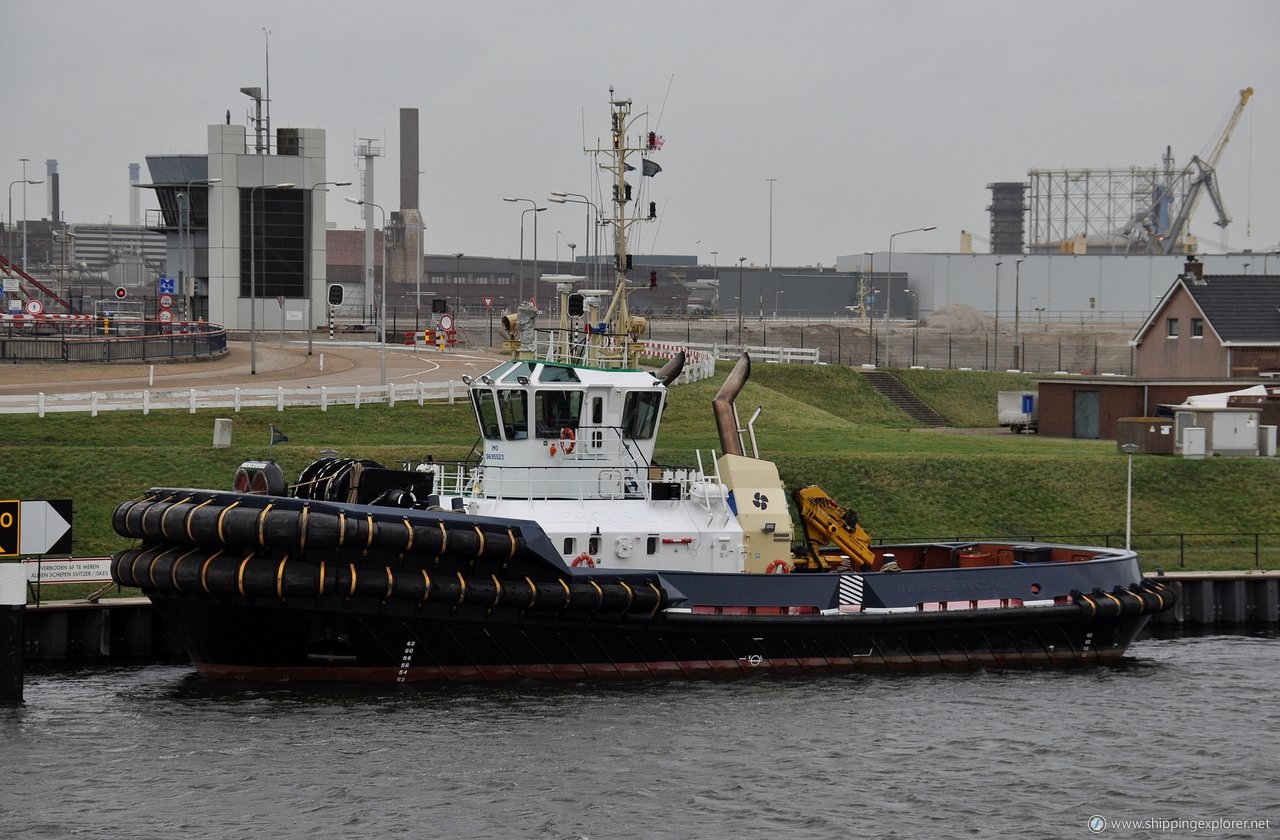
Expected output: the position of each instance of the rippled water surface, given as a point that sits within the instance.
(1185, 729)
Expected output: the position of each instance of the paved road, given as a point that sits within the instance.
(344, 363)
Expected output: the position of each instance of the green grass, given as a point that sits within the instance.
(822, 425)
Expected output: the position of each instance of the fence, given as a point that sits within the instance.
(1225, 550)
(194, 399)
(87, 339)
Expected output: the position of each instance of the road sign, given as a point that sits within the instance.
(165, 300)
(10, 512)
(168, 286)
(446, 322)
(35, 527)
(488, 301)
(33, 307)
(165, 316)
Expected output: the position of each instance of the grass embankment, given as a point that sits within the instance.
(822, 425)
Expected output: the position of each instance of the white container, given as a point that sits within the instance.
(1267, 441)
(1193, 442)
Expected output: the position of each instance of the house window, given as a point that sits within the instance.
(1197, 328)
(1171, 327)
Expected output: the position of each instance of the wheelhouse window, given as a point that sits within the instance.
(486, 414)
(555, 411)
(1171, 327)
(1197, 328)
(640, 414)
(513, 404)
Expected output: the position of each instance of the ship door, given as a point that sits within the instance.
(597, 420)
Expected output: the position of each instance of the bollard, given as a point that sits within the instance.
(151, 377)
(13, 608)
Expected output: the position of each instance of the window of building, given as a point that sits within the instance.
(1171, 327)
(272, 243)
(1197, 328)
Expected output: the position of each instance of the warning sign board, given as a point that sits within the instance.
(35, 527)
(87, 570)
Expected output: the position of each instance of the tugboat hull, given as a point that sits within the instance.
(336, 641)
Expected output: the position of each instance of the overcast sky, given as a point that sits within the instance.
(874, 117)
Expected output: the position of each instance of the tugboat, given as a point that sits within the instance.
(563, 550)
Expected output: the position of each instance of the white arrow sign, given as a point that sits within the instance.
(42, 526)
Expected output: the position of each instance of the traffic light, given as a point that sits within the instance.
(121, 293)
(653, 279)
(576, 305)
(439, 305)
(335, 294)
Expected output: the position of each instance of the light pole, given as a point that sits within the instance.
(535, 209)
(776, 295)
(741, 260)
(888, 289)
(867, 284)
(563, 198)
(1017, 314)
(253, 278)
(715, 279)
(1129, 449)
(573, 250)
(310, 259)
(23, 180)
(995, 349)
(771, 180)
(189, 240)
(382, 304)
(457, 285)
(557, 252)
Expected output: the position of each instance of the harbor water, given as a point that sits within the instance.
(1185, 729)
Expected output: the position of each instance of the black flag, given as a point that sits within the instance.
(278, 436)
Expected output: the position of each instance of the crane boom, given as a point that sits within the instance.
(1198, 177)
(1205, 180)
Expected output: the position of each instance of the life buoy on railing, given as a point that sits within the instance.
(568, 440)
(584, 559)
(778, 567)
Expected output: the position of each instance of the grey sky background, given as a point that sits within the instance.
(874, 117)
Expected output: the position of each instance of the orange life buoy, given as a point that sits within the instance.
(584, 559)
(568, 440)
(778, 567)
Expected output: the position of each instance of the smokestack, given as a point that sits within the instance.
(51, 180)
(135, 211)
(408, 158)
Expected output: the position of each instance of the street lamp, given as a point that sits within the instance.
(382, 316)
(741, 260)
(310, 260)
(771, 180)
(457, 285)
(253, 267)
(536, 210)
(995, 350)
(775, 303)
(24, 181)
(715, 280)
(573, 249)
(563, 198)
(1017, 313)
(1129, 449)
(188, 241)
(888, 293)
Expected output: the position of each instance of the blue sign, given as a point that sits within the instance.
(168, 286)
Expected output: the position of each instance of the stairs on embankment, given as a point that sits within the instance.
(903, 398)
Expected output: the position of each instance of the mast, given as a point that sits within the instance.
(617, 316)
